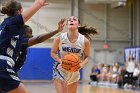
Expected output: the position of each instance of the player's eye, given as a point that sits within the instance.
(69, 19)
(75, 19)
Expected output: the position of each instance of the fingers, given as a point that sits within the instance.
(61, 24)
(81, 65)
(45, 4)
(42, 2)
(61, 21)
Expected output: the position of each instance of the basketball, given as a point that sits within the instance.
(70, 62)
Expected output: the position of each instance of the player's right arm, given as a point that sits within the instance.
(55, 49)
(27, 14)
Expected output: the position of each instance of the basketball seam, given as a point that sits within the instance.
(70, 60)
(75, 67)
(75, 57)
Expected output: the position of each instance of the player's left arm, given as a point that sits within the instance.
(86, 53)
(46, 36)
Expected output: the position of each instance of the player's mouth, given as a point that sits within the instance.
(71, 24)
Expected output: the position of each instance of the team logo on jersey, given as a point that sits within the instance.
(70, 49)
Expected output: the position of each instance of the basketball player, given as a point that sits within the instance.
(69, 42)
(10, 40)
(32, 41)
(27, 34)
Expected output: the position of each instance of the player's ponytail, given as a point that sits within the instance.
(11, 7)
(87, 31)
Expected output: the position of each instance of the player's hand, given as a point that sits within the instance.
(42, 2)
(81, 65)
(61, 25)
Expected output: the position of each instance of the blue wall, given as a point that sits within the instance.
(38, 65)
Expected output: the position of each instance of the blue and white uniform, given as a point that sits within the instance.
(22, 55)
(66, 47)
(11, 40)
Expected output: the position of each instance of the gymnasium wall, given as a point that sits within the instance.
(38, 65)
(112, 24)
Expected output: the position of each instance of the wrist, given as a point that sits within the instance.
(60, 61)
(55, 31)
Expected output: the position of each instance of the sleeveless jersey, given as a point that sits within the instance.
(66, 46)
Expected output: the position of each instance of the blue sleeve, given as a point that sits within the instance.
(25, 41)
(14, 25)
(16, 20)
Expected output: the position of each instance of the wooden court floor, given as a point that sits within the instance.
(47, 87)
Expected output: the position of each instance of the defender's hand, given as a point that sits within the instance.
(42, 2)
(61, 25)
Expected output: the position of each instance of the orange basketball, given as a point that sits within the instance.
(70, 62)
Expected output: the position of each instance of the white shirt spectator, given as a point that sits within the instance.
(131, 66)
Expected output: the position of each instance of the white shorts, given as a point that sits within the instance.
(62, 74)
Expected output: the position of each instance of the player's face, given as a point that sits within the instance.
(28, 34)
(73, 22)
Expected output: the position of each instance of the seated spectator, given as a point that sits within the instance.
(115, 74)
(136, 75)
(110, 72)
(121, 71)
(95, 72)
(104, 73)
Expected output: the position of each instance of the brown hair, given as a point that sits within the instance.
(10, 8)
(26, 28)
(84, 30)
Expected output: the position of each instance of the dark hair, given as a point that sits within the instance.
(131, 58)
(10, 8)
(26, 28)
(84, 30)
